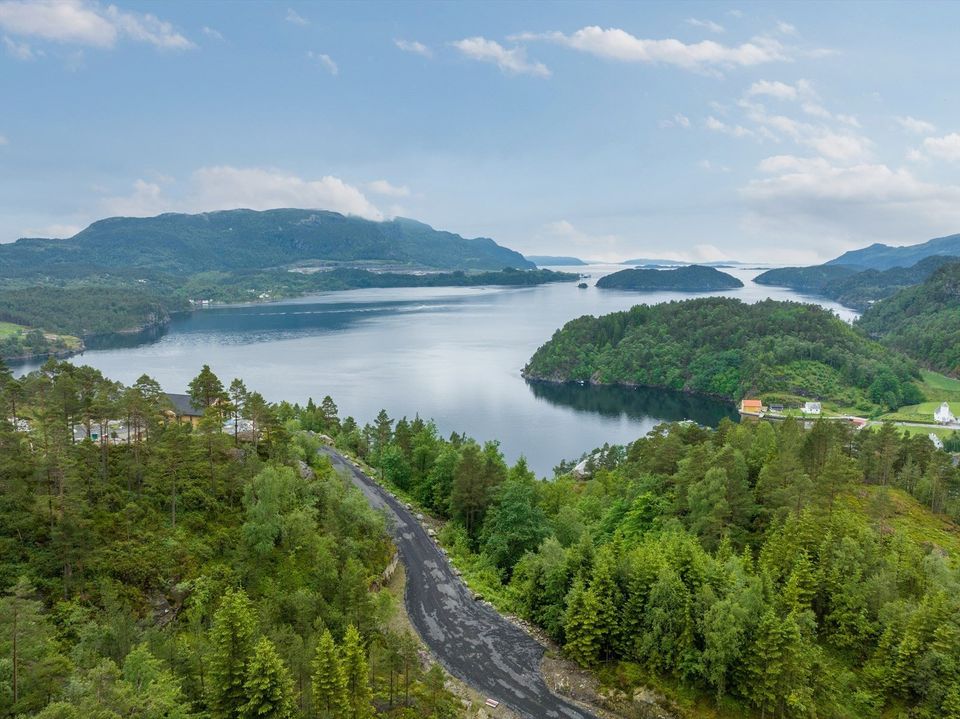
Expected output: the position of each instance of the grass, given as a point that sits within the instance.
(9, 328)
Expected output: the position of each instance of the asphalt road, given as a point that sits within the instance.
(470, 639)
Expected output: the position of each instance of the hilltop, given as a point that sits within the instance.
(233, 240)
(882, 257)
(694, 278)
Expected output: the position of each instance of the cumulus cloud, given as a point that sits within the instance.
(785, 28)
(79, 22)
(224, 187)
(943, 148)
(324, 61)
(912, 124)
(387, 189)
(212, 33)
(617, 44)
(678, 120)
(417, 48)
(777, 89)
(512, 61)
(295, 18)
(808, 198)
(716, 125)
(705, 24)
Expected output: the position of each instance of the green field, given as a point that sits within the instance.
(937, 388)
(9, 328)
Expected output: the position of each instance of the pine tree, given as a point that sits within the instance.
(231, 638)
(764, 664)
(329, 680)
(268, 686)
(355, 668)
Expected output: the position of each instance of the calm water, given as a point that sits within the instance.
(453, 354)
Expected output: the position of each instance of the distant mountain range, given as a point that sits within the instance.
(233, 240)
(648, 262)
(883, 257)
(556, 261)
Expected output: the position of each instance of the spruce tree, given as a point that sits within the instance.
(231, 638)
(581, 626)
(359, 696)
(268, 686)
(329, 680)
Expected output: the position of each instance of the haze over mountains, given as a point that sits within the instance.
(882, 257)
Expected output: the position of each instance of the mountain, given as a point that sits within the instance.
(693, 278)
(233, 240)
(555, 261)
(922, 321)
(781, 351)
(647, 262)
(850, 287)
(883, 257)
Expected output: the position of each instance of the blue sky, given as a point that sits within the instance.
(785, 132)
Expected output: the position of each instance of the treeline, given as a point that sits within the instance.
(923, 321)
(694, 278)
(187, 574)
(852, 286)
(782, 572)
(729, 349)
(31, 343)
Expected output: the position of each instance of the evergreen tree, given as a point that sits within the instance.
(232, 642)
(268, 687)
(206, 389)
(329, 681)
(359, 695)
(583, 633)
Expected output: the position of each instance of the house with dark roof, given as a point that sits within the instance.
(182, 409)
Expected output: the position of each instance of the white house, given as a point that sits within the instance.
(944, 415)
(811, 408)
(937, 442)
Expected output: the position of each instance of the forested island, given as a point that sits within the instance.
(693, 278)
(784, 351)
(923, 321)
(556, 261)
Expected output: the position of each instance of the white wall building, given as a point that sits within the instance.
(944, 415)
(811, 408)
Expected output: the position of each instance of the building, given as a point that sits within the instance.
(943, 415)
(183, 409)
(937, 442)
(751, 406)
(812, 408)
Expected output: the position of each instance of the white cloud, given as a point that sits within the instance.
(212, 33)
(324, 61)
(716, 125)
(18, 50)
(387, 189)
(617, 44)
(912, 124)
(225, 187)
(80, 22)
(785, 28)
(705, 24)
(777, 89)
(417, 48)
(295, 18)
(3, 140)
(512, 60)
(821, 202)
(678, 120)
(944, 148)
(708, 166)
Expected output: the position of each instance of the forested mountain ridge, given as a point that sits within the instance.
(247, 239)
(923, 321)
(726, 348)
(882, 257)
(692, 278)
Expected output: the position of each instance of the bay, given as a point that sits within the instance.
(451, 354)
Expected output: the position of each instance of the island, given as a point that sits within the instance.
(693, 278)
(783, 352)
(555, 261)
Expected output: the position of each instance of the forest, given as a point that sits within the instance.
(694, 278)
(753, 570)
(179, 573)
(726, 348)
(922, 322)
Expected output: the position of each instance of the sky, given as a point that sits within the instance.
(777, 132)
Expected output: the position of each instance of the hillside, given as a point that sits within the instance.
(245, 239)
(726, 348)
(851, 286)
(555, 261)
(882, 257)
(693, 278)
(923, 321)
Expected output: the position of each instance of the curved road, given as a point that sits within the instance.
(470, 639)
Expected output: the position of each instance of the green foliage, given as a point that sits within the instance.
(268, 687)
(694, 278)
(723, 347)
(232, 641)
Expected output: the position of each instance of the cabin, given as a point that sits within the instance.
(751, 406)
(183, 409)
(776, 408)
(812, 408)
(943, 415)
